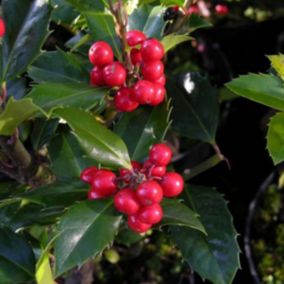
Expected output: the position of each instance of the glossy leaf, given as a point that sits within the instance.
(216, 256)
(275, 138)
(99, 142)
(172, 40)
(102, 28)
(149, 20)
(51, 95)
(43, 131)
(15, 113)
(277, 63)
(87, 5)
(85, 231)
(63, 12)
(26, 23)
(178, 214)
(56, 194)
(43, 271)
(261, 88)
(195, 107)
(172, 2)
(17, 262)
(67, 157)
(59, 67)
(142, 128)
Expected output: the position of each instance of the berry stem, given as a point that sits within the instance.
(121, 18)
(202, 167)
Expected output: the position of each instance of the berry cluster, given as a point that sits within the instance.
(141, 83)
(139, 191)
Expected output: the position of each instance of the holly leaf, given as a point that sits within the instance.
(196, 22)
(172, 40)
(261, 88)
(84, 232)
(195, 107)
(43, 270)
(99, 143)
(59, 67)
(17, 261)
(275, 138)
(67, 157)
(277, 63)
(26, 30)
(214, 256)
(15, 113)
(178, 214)
(142, 128)
(51, 95)
(149, 20)
(88, 5)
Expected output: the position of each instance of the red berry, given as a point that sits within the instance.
(114, 74)
(136, 165)
(172, 184)
(160, 93)
(125, 201)
(93, 195)
(104, 183)
(161, 80)
(123, 100)
(152, 50)
(144, 92)
(135, 37)
(101, 54)
(158, 171)
(222, 9)
(2, 27)
(88, 174)
(135, 56)
(152, 70)
(96, 76)
(125, 174)
(160, 154)
(149, 192)
(150, 214)
(137, 226)
(194, 10)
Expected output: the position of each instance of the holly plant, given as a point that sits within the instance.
(97, 135)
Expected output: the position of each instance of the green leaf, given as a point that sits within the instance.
(142, 128)
(261, 88)
(17, 263)
(51, 95)
(195, 108)
(59, 67)
(56, 194)
(196, 22)
(102, 27)
(63, 12)
(277, 63)
(275, 138)
(88, 5)
(85, 231)
(43, 131)
(15, 113)
(99, 142)
(67, 157)
(43, 271)
(172, 2)
(172, 40)
(216, 256)
(178, 214)
(149, 20)
(26, 23)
